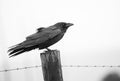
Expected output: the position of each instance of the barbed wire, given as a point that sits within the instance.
(78, 66)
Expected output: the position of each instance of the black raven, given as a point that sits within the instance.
(43, 38)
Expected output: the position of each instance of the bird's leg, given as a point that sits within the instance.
(48, 49)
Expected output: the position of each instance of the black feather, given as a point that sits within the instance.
(44, 38)
(16, 53)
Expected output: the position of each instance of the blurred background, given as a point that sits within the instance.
(93, 40)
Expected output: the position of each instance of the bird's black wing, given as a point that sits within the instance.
(39, 38)
(34, 40)
(43, 31)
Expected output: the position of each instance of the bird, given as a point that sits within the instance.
(42, 39)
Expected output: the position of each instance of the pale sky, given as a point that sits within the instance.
(93, 40)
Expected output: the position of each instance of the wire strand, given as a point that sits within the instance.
(78, 66)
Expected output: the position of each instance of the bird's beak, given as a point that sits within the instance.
(69, 24)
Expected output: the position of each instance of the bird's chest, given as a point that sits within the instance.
(53, 40)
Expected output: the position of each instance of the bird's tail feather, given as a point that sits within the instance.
(16, 53)
(16, 49)
(21, 47)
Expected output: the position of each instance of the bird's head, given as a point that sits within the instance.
(63, 25)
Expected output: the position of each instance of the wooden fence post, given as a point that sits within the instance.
(51, 65)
